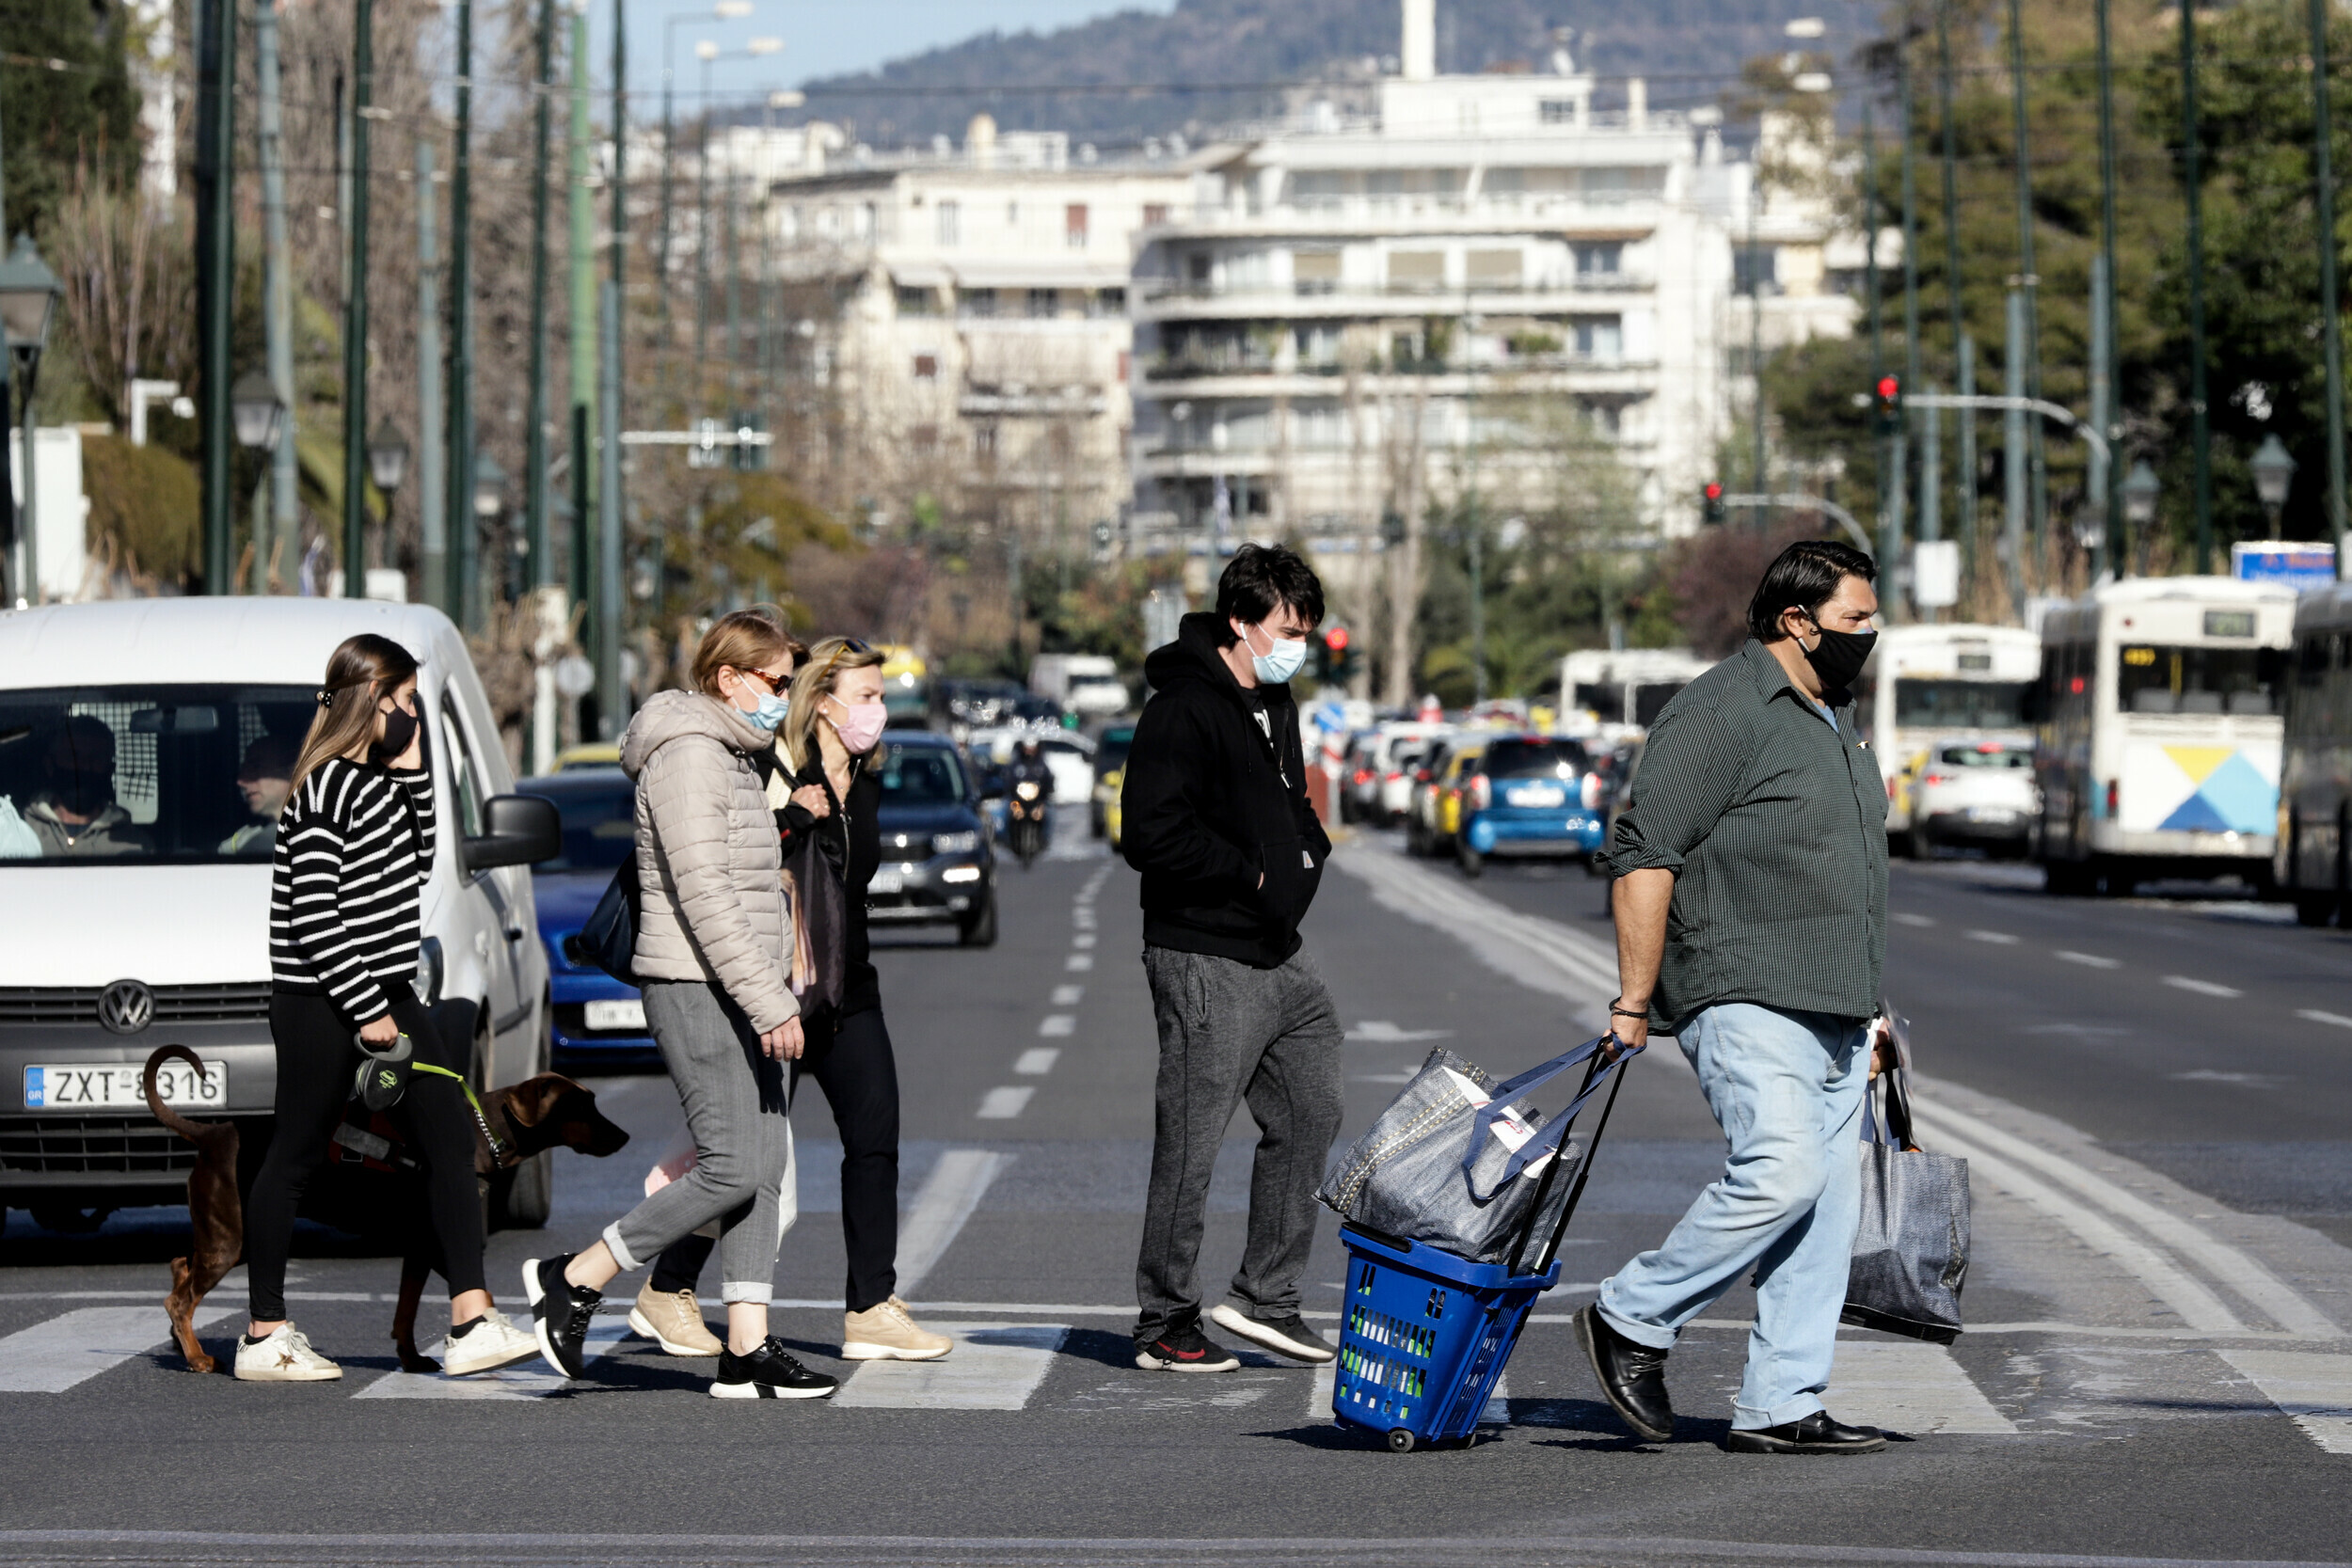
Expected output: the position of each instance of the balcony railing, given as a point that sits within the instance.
(1157, 289)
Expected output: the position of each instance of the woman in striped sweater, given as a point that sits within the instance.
(354, 849)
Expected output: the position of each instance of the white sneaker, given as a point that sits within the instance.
(493, 1342)
(283, 1355)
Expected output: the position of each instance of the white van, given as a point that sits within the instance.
(150, 925)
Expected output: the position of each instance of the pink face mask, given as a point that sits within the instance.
(861, 725)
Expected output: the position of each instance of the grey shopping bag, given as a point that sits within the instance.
(1911, 1250)
(1458, 1162)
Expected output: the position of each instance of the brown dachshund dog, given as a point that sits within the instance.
(516, 1124)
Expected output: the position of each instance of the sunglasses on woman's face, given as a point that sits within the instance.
(775, 684)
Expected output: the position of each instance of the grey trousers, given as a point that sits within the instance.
(737, 1108)
(1230, 1035)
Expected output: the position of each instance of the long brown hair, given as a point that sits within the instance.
(358, 672)
(814, 682)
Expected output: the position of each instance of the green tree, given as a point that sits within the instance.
(79, 112)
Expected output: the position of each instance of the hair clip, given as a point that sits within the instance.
(326, 699)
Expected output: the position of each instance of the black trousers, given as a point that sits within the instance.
(316, 1061)
(851, 1061)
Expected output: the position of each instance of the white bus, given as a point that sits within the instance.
(2312, 863)
(1938, 683)
(2160, 729)
(1623, 688)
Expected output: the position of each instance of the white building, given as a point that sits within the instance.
(974, 341)
(1346, 323)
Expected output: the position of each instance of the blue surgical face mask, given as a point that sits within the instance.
(769, 713)
(1283, 659)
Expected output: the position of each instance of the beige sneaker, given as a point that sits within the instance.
(493, 1342)
(283, 1355)
(888, 1332)
(674, 1320)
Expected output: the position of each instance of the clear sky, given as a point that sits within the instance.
(824, 38)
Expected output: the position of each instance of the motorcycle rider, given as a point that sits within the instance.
(1028, 767)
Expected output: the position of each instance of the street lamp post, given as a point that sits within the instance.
(29, 303)
(387, 464)
(259, 416)
(725, 11)
(356, 308)
(2274, 472)
(2140, 502)
(708, 53)
(489, 499)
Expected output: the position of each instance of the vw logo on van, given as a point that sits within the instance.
(126, 1006)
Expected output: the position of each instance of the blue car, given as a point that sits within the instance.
(594, 1022)
(1531, 795)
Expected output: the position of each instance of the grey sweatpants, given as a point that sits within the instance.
(1231, 1034)
(736, 1106)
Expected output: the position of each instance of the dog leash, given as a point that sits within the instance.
(498, 1150)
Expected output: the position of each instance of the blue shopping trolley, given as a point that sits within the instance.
(1424, 1334)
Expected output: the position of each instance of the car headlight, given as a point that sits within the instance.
(955, 844)
(427, 983)
(960, 874)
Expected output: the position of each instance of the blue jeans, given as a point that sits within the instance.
(1785, 1087)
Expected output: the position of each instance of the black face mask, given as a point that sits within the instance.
(1838, 657)
(400, 732)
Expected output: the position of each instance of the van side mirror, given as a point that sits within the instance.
(524, 830)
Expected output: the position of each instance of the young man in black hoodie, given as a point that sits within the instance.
(1217, 821)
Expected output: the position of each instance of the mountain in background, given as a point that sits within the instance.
(1119, 79)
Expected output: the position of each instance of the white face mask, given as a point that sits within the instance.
(1284, 655)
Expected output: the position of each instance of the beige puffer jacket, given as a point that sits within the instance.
(708, 856)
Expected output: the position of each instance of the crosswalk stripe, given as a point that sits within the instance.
(994, 1367)
(1908, 1386)
(52, 1357)
(950, 1193)
(2316, 1390)
(522, 1380)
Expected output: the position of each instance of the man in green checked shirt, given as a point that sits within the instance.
(1750, 911)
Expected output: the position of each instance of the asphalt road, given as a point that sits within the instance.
(2156, 1371)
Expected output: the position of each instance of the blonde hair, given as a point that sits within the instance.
(743, 639)
(814, 682)
(360, 670)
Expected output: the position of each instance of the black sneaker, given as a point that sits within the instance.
(770, 1372)
(1184, 1349)
(560, 1313)
(1287, 1335)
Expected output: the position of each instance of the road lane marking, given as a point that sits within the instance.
(521, 1379)
(994, 1367)
(52, 1357)
(2317, 1017)
(2246, 1277)
(1003, 1104)
(950, 1193)
(1055, 1025)
(2314, 1390)
(2089, 960)
(1426, 899)
(1080, 962)
(1380, 1031)
(1067, 996)
(1918, 920)
(1909, 1387)
(1082, 918)
(1082, 939)
(1037, 1061)
(2202, 988)
(1999, 939)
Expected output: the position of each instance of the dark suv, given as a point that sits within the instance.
(938, 858)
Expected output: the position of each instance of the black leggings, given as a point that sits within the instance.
(316, 1061)
(853, 1062)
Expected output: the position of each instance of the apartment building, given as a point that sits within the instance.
(975, 344)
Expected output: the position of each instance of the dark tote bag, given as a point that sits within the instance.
(819, 908)
(1911, 1250)
(609, 939)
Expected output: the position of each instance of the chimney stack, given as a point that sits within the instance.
(1419, 56)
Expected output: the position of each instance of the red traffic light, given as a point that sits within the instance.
(1336, 639)
(1714, 490)
(1890, 390)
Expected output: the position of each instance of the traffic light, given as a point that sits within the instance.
(1336, 664)
(1889, 402)
(1712, 499)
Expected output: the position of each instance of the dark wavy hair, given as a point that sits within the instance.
(1259, 578)
(1803, 577)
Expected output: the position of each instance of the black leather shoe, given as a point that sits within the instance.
(1632, 1376)
(1819, 1433)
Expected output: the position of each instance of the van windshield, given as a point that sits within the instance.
(176, 774)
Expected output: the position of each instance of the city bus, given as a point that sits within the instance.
(1936, 683)
(2159, 732)
(1623, 688)
(2315, 825)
